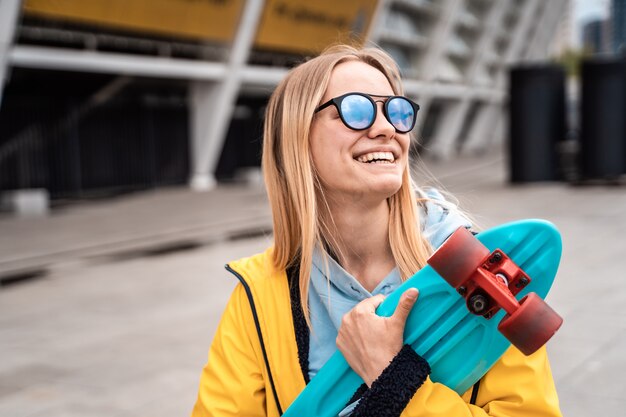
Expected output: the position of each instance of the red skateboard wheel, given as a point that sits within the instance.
(531, 325)
(459, 257)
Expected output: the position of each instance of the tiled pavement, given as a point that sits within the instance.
(129, 292)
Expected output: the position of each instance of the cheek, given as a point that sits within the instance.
(316, 147)
(320, 154)
(326, 146)
(324, 159)
(405, 143)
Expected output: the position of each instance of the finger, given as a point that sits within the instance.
(369, 305)
(377, 300)
(406, 303)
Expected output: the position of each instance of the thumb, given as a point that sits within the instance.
(406, 303)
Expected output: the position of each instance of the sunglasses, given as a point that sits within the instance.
(358, 111)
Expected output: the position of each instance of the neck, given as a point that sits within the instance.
(363, 247)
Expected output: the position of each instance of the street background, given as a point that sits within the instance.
(122, 326)
(130, 143)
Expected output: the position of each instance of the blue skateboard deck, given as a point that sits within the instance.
(459, 346)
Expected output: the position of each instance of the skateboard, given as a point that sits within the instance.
(478, 294)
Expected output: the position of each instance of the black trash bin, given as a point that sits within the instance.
(536, 122)
(603, 119)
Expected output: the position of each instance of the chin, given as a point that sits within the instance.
(386, 189)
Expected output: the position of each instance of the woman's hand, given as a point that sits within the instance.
(370, 342)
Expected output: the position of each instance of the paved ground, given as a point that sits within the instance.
(127, 292)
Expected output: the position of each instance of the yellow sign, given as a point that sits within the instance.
(215, 20)
(306, 26)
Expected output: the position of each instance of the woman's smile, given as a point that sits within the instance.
(377, 158)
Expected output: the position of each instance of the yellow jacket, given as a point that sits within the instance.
(236, 381)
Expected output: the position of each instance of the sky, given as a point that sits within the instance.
(585, 10)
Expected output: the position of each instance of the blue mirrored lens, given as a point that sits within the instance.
(401, 114)
(357, 111)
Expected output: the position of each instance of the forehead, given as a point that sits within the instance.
(357, 76)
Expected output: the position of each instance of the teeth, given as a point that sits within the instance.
(380, 156)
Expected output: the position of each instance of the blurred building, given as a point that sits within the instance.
(607, 36)
(618, 25)
(123, 94)
(563, 37)
(596, 36)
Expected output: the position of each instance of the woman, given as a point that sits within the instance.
(349, 227)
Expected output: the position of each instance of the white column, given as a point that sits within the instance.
(212, 103)
(440, 145)
(481, 128)
(487, 37)
(378, 21)
(546, 28)
(522, 34)
(478, 128)
(519, 38)
(449, 128)
(481, 132)
(501, 131)
(439, 39)
(424, 102)
(9, 12)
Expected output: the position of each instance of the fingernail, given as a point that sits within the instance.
(411, 293)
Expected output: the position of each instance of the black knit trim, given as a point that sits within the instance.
(358, 394)
(393, 389)
(299, 323)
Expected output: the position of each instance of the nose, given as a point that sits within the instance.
(381, 126)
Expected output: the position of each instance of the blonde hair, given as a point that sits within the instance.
(300, 213)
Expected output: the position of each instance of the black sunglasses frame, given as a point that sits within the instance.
(337, 103)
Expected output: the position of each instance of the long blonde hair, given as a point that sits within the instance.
(300, 216)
